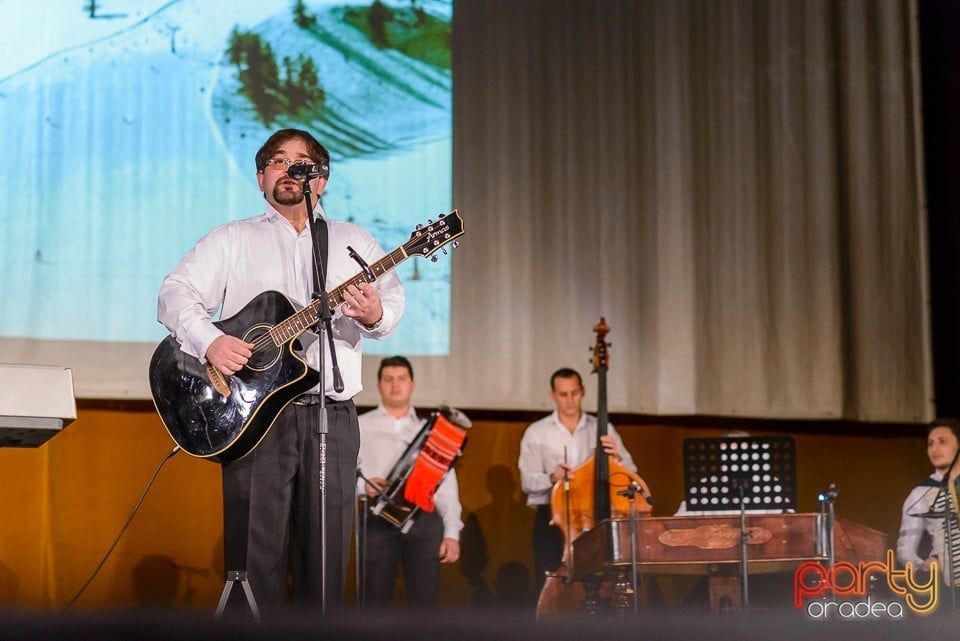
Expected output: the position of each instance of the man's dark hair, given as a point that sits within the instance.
(565, 372)
(951, 424)
(395, 361)
(318, 153)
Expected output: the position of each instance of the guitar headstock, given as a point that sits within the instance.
(601, 357)
(428, 238)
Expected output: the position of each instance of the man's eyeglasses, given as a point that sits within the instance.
(283, 164)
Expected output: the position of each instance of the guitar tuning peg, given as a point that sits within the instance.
(434, 258)
(444, 250)
(456, 244)
(419, 226)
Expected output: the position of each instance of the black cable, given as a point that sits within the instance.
(123, 529)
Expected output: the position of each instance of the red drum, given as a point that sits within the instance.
(415, 477)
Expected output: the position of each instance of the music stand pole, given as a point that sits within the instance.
(744, 535)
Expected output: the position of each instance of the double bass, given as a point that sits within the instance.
(593, 494)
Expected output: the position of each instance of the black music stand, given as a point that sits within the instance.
(740, 473)
(716, 469)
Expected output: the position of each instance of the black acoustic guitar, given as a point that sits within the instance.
(223, 418)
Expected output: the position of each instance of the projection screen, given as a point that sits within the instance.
(131, 128)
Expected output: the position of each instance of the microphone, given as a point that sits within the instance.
(633, 489)
(643, 493)
(319, 170)
(829, 494)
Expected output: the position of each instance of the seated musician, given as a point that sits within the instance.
(549, 450)
(922, 533)
(434, 538)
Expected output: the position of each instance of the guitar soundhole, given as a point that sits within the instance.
(265, 354)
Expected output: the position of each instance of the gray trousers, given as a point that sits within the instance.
(271, 508)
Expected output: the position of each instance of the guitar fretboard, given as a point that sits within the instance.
(309, 315)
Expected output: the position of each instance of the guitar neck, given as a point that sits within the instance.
(309, 315)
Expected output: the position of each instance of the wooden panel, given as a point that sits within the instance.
(691, 544)
(64, 503)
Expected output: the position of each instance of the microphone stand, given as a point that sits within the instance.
(323, 326)
(630, 492)
(828, 518)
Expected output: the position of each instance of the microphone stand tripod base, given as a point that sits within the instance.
(234, 577)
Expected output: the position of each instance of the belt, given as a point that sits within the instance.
(306, 400)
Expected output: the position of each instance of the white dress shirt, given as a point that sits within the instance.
(241, 259)
(547, 443)
(383, 440)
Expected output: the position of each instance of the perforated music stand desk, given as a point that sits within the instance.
(714, 469)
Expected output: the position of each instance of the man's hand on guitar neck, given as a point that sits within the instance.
(363, 304)
(229, 354)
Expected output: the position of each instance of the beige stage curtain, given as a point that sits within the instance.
(735, 185)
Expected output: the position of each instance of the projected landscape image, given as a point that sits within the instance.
(131, 129)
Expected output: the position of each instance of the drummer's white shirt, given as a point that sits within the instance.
(383, 440)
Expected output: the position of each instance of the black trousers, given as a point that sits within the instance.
(271, 508)
(416, 552)
(547, 546)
